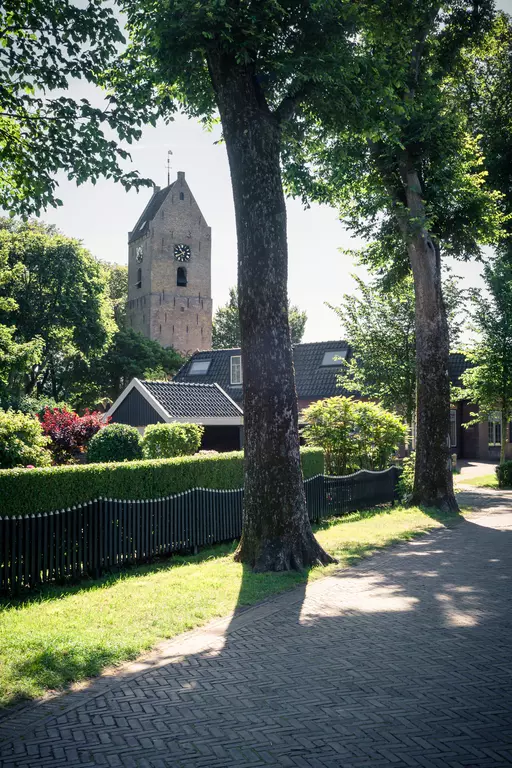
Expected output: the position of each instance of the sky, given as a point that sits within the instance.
(319, 273)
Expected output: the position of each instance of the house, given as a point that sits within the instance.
(316, 367)
(155, 402)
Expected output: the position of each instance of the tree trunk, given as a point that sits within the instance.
(276, 531)
(433, 480)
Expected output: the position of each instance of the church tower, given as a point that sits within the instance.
(169, 271)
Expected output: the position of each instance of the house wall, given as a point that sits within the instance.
(135, 411)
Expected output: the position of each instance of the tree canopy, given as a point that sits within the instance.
(488, 381)
(226, 323)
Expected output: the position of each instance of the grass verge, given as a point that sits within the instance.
(484, 481)
(66, 634)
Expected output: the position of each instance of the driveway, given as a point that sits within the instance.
(405, 660)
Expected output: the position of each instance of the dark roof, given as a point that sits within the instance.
(457, 365)
(313, 380)
(149, 213)
(185, 400)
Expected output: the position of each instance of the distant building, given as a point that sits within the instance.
(169, 271)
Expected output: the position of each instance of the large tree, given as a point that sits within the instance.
(46, 44)
(378, 321)
(226, 323)
(60, 294)
(488, 382)
(409, 176)
(254, 61)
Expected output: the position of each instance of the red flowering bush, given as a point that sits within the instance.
(69, 433)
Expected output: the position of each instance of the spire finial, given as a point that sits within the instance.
(169, 153)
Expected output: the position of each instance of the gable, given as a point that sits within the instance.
(135, 411)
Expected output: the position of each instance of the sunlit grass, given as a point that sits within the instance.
(484, 481)
(66, 634)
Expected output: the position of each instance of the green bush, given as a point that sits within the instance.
(354, 435)
(41, 490)
(115, 442)
(504, 474)
(22, 441)
(405, 485)
(165, 441)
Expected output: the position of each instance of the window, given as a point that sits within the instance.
(494, 428)
(182, 196)
(199, 367)
(138, 282)
(453, 428)
(181, 277)
(334, 357)
(236, 369)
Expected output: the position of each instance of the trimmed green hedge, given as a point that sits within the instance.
(25, 491)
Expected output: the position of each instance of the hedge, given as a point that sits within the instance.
(25, 491)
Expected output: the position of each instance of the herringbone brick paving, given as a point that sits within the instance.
(403, 661)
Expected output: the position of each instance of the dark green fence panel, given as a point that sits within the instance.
(108, 534)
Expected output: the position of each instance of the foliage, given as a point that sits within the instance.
(226, 324)
(60, 295)
(69, 433)
(117, 275)
(116, 442)
(129, 355)
(22, 442)
(69, 633)
(27, 491)
(33, 405)
(488, 382)
(43, 131)
(163, 441)
(379, 324)
(406, 478)
(354, 435)
(504, 474)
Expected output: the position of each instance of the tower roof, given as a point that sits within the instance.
(149, 212)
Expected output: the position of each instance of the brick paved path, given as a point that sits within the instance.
(403, 661)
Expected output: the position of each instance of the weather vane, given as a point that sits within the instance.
(169, 153)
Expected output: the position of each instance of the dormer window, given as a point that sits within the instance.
(334, 357)
(236, 369)
(181, 277)
(138, 282)
(199, 367)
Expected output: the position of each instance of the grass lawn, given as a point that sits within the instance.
(484, 481)
(66, 634)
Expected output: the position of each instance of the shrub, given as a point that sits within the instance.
(116, 442)
(504, 474)
(35, 405)
(405, 485)
(354, 435)
(164, 441)
(22, 441)
(41, 490)
(69, 433)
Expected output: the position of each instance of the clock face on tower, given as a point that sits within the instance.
(182, 252)
(139, 255)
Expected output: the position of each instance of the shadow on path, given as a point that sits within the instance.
(403, 661)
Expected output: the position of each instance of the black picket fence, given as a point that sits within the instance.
(107, 534)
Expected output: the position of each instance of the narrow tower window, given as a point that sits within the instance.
(181, 277)
(182, 196)
(138, 283)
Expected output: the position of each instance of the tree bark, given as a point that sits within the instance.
(433, 481)
(276, 533)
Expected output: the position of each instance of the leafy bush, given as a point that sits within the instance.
(42, 490)
(354, 435)
(164, 441)
(116, 442)
(405, 483)
(504, 474)
(22, 441)
(35, 405)
(69, 433)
